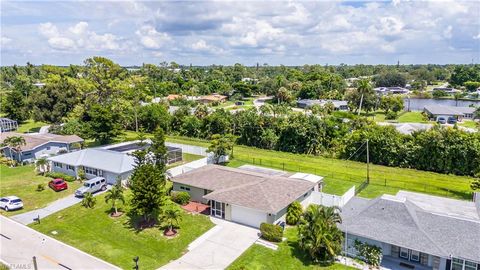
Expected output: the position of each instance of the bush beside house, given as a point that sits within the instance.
(63, 176)
(294, 212)
(271, 232)
(181, 197)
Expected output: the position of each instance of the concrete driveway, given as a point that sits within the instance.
(217, 248)
(60, 204)
(18, 245)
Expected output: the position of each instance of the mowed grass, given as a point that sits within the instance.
(469, 124)
(30, 126)
(340, 175)
(412, 117)
(22, 182)
(288, 256)
(115, 241)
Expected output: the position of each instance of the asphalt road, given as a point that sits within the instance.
(19, 243)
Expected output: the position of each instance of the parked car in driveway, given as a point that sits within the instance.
(11, 203)
(452, 120)
(58, 184)
(441, 120)
(91, 186)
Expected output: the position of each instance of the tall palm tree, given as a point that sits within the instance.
(171, 216)
(318, 233)
(15, 143)
(363, 87)
(115, 194)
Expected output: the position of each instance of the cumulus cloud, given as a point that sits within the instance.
(447, 33)
(5, 40)
(150, 38)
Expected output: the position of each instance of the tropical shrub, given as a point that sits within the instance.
(371, 254)
(271, 232)
(294, 211)
(180, 197)
(40, 187)
(63, 176)
(88, 200)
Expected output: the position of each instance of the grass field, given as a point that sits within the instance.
(403, 117)
(22, 181)
(288, 256)
(30, 126)
(469, 124)
(115, 241)
(340, 175)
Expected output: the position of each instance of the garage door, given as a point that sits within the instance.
(248, 216)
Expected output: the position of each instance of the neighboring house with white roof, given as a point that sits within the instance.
(340, 105)
(440, 111)
(416, 231)
(391, 90)
(95, 162)
(407, 128)
(246, 196)
(38, 145)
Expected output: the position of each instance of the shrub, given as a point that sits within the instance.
(391, 115)
(180, 197)
(65, 177)
(371, 254)
(40, 187)
(88, 200)
(271, 232)
(294, 211)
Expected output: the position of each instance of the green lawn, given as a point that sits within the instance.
(287, 256)
(412, 117)
(115, 241)
(468, 124)
(339, 175)
(186, 159)
(22, 181)
(30, 126)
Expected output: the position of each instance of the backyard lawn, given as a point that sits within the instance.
(468, 124)
(30, 126)
(340, 175)
(403, 117)
(287, 256)
(22, 181)
(115, 241)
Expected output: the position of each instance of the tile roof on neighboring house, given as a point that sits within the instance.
(213, 97)
(34, 140)
(448, 110)
(269, 193)
(102, 159)
(429, 224)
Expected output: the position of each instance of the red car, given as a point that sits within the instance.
(58, 184)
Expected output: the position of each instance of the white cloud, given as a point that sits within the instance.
(61, 43)
(477, 36)
(79, 29)
(48, 30)
(150, 38)
(5, 41)
(447, 33)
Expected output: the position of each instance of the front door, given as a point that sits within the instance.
(218, 209)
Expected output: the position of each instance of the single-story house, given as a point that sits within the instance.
(212, 98)
(174, 154)
(415, 230)
(246, 196)
(111, 165)
(391, 90)
(39, 145)
(407, 128)
(340, 105)
(440, 111)
(448, 90)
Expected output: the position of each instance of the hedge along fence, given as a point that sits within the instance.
(271, 232)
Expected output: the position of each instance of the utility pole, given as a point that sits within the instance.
(368, 164)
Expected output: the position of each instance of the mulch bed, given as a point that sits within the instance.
(116, 215)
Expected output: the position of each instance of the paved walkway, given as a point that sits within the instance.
(18, 245)
(58, 205)
(217, 248)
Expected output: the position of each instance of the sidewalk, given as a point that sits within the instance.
(18, 245)
(53, 207)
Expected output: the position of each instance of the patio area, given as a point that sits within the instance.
(195, 207)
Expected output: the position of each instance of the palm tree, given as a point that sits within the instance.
(318, 233)
(88, 200)
(16, 143)
(115, 194)
(42, 165)
(171, 216)
(363, 87)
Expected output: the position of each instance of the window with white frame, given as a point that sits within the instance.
(70, 167)
(459, 264)
(93, 171)
(184, 188)
(404, 253)
(415, 256)
(57, 164)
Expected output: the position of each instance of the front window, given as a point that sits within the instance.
(415, 256)
(404, 253)
(470, 265)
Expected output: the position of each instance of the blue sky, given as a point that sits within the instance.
(247, 32)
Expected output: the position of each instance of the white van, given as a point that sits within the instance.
(91, 186)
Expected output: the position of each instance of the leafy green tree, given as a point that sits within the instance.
(16, 106)
(390, 79)
(101, 123)
(471, 86)
(391, 103)
(361, 98)
(154, 116)
(88, 200)
(42, 165)
(114, 195)
(221, 145)
(294, 212)
(15, 143)
(318, 233)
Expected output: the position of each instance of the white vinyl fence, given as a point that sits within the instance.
(326, 199)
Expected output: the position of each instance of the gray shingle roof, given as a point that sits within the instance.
(102, 159)
(34, 140)
(246, 188)
(448, 110)
(403, 221)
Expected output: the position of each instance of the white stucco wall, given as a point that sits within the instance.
(196, 194)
